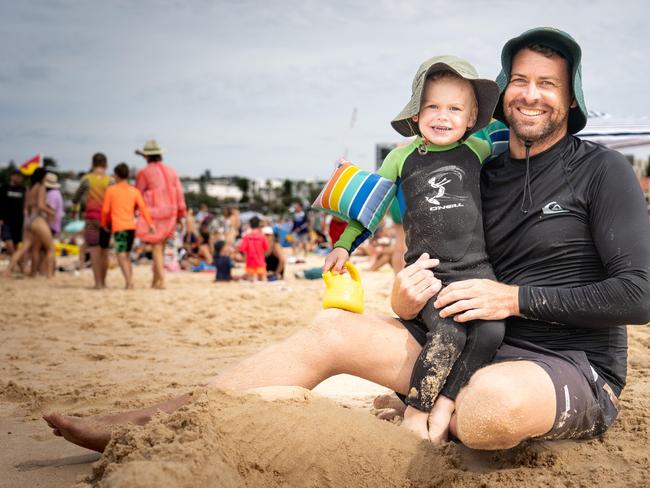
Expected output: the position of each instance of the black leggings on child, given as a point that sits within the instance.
(453, 352)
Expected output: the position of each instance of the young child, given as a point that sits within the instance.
(254, 246)
(120, 202)
(222, 261)
(437, 178)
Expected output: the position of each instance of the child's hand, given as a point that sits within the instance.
(335, 260)
(152, 229)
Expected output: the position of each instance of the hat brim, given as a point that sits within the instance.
(155, 152)
(565, 45)
(487, 95)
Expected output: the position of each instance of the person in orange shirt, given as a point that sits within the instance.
(120, 202)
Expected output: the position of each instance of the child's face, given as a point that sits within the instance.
(448, 110)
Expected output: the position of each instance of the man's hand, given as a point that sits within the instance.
(414, 286)
(478, 299)
(152, 229)
(335, 260)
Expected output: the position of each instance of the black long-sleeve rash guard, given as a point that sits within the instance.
(580, 254)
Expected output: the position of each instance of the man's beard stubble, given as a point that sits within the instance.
(533, 133)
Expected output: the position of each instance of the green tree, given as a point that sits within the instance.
(287, 193)
(49, 162)
(244, 185)
(5, 172)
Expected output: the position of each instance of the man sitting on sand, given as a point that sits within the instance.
(566, 230)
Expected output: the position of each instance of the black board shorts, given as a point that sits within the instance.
(586, 405)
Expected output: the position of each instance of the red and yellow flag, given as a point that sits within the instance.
(28, 167)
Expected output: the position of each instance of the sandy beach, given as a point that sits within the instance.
(91, 352)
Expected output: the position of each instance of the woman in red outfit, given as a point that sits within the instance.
(163, 196)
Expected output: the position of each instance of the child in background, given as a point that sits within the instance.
(438, 180)
(120, 203)
(254, 247)
(222, 261)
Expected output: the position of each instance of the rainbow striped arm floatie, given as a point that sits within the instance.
(354, 194)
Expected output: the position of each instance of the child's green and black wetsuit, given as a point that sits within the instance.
(439, 195)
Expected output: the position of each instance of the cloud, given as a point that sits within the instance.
(267, 88)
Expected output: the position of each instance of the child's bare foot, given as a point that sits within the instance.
(90, 433)
(416, 421)
(439, 419)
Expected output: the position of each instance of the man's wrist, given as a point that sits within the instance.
(515, 309)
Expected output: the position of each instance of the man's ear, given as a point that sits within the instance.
(415, 119)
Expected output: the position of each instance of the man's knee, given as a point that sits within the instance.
(490, 413)
(331, 329)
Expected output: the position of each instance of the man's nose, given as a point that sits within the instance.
(531, 93)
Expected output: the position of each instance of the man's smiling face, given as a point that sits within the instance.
(538, 98)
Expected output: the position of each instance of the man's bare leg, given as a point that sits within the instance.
(337, 342)
(95, 432)
(97, 264)
(103, 253)
(504, 404)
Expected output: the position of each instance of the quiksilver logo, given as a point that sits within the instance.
(552, 208)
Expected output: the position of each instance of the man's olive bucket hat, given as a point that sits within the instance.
(487, 93)
(564, 44)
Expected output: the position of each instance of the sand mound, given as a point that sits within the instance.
(243, 440)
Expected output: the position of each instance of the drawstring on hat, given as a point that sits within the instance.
(524, 208)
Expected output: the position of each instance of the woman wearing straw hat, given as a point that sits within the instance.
(163, 195)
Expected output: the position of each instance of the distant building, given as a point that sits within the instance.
(223, 191)
(190, 186)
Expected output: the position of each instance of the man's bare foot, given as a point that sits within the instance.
(439, 419)
(388, 407)
(416, 421)
(90, 433)
(389, 401)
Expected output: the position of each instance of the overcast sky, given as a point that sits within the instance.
(267, 88)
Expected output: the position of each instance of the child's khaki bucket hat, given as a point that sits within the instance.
(486, 91)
